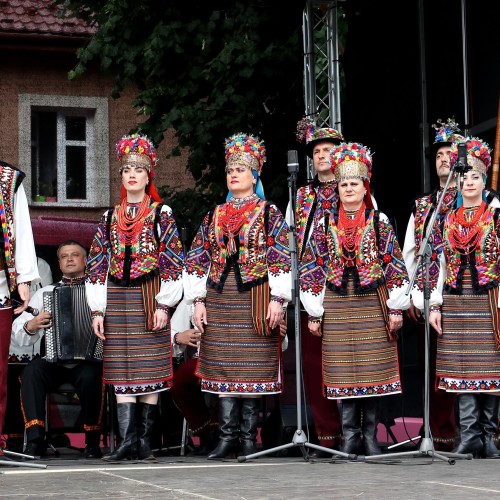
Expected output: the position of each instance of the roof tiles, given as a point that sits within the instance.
(38, 17)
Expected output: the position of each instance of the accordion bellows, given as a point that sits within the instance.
(70, 337)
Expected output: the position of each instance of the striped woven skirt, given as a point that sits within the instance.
(233, 358)
(358, 359)
(467, 359)
(135, 361)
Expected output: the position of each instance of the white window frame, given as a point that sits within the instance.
(95, 109)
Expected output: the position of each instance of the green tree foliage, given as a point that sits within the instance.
(206, 69)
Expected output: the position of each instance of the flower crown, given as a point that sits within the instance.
(447, 132)
(350, 160)
(137, 150)
(478, 154)
(245, 149)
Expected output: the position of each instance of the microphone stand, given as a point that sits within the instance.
(299, 438)
(427, 444)
(13, 463)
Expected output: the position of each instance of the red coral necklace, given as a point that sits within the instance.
(131, 225)
(233, 215)
(465, 233)
(350, 231)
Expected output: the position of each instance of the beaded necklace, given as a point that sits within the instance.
(350, 230)
(465, 229)
(232, 216)
(130, 224)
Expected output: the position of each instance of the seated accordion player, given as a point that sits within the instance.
(70, 337)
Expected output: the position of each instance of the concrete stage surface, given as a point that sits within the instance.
(265, 477)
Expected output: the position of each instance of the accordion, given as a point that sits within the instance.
(70, 337)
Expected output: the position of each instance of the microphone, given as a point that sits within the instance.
(461, 165)
(31, 310)
(293, 161)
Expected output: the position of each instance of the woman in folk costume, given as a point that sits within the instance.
(353, 282)
(238, 275)
(133, 278)
(464, 306)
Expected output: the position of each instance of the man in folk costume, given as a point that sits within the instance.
(42, 375)
(238, 275)
(442, 404)
(311, 200)
(18, 265)
(352, 285)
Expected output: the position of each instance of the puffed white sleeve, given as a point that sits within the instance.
(25, 255)
(19, 337)
(181, 321)
(409, 247)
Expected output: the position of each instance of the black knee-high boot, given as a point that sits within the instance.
(229, 426)
(128, 433)
(489, 423)
(145, 424)
(250, 409)
(370, 423)
(470, 430)
(351, 426)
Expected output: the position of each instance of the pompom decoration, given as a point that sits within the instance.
(303, 126)
(478, 154)
(135, 144)
(358, 158)
(245, 149)
(308, 132)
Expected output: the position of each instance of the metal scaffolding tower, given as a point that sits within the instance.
(321, 65)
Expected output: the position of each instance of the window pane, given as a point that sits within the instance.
(75, 128)
(76, 173)
(44, 153)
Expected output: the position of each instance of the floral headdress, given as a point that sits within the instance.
(351, 160)
(308, 132)
(245, 149)
(478, 155)
(137, 149)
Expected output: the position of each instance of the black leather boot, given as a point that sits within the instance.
(370, 423)
(351, 426)
(92, 449)
(128, 433)
(470, 430)
(250, 409)
(145, 424)
(209, 438)
(229, 417)
(489, 423)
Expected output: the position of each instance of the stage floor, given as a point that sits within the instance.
(265, 477)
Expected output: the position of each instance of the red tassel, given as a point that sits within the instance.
(231, 245)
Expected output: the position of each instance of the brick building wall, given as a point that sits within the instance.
(28, 71)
